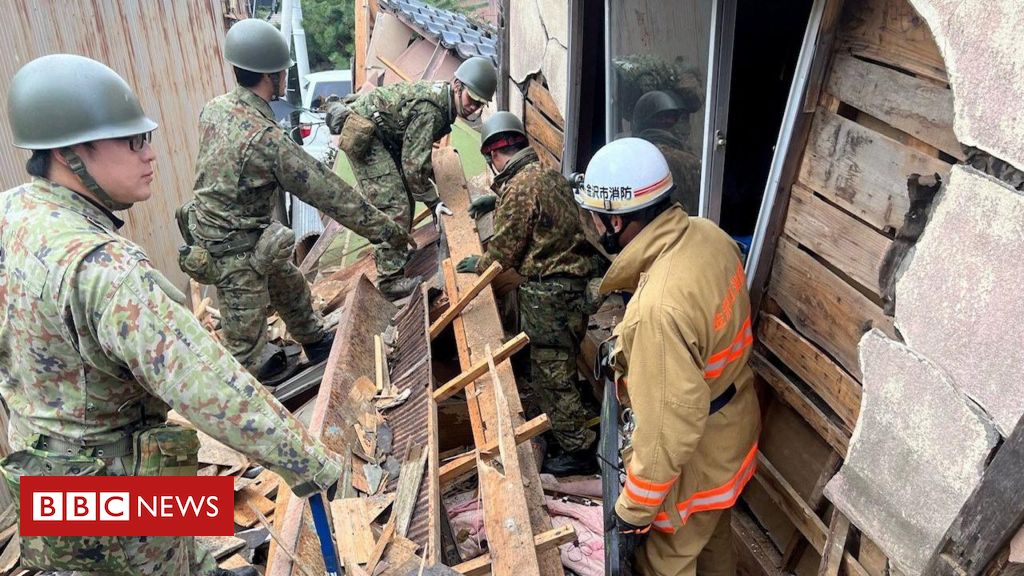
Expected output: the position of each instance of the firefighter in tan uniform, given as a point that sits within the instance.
(680, 363)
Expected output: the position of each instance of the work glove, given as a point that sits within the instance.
(274, 248)
(337, 112)
(631, 538)
(482, 205)
(468, 264)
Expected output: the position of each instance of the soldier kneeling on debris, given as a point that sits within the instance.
(537, 232)
(95, 345)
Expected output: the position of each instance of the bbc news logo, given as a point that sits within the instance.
(127, 506)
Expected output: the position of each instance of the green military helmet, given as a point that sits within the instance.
(60, 100)
(653, 103)
(257, 46)
(499, 123)
(478, 75)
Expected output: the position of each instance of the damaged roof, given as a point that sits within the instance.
(451, 30)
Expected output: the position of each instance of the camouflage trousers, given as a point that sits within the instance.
(378, 178)
(245, 296)
(122, 555)
(551, 312)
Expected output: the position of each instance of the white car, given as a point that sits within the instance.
(316, 138)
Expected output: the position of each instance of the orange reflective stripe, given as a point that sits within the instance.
(644, 492)
(662, 523)
(723, 496)
(734, 351)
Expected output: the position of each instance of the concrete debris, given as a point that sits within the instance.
(917, 452)
(959, 297)
(981, 43)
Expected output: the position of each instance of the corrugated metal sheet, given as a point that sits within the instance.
(306, 220)
(169, 51)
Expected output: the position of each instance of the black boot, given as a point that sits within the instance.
(319, 351)
(572, 463)
(398, 287)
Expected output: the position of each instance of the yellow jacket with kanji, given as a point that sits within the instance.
(684, 339)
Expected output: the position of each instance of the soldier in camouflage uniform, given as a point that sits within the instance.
(95, 345)
(655, 118)
(639, 74)
(537, 232)
(244, 161)
(388, 135)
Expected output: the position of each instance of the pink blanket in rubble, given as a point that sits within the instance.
(584, 557)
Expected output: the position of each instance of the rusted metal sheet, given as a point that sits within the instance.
(169, 51)
(414, 422)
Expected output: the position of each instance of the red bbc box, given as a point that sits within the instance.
(127, 506)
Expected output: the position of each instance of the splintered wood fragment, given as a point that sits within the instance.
(352, 529)
(247, 497)
(280, 543)
(266, 483)
(284, 496)
(455, 385)
(382, 543)
(381, 360)
(544, 541)
(220, 546)
(376, 505)
(455, 307)
(234, 562)
(400, 558)
(323, 242)
(409, 488)
(835, 545)
(466, 463)
(195, 292)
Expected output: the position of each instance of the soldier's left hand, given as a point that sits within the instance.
(468, 264)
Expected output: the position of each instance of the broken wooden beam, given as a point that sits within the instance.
(366, 313)
(323, 242)
(544, 541)
(477, 327)
(455, 307)
(457, 384)
(466, 463)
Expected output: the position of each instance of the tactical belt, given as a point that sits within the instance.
(722, 399)
(116, 449)
(572, 281)
(237, 243)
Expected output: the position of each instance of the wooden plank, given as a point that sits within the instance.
(835, 545)
(837, 237)
(246, 499)
(464, 299)
(352, 529)
(829, 381)
(549, 540)
(823, 307)
(466, 463)
(817, 502)
(460, 382)
(861, 170)
(378, 549)
(543, 130)
(990, 517)
(481, 327)
(832, 433)
(918, 107)
(408, 488)
(545, 104)
(756, 555)
(805, 520)
(547, 158)
(323, 242)
(892, 32)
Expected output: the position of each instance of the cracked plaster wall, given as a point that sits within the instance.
(539, 41)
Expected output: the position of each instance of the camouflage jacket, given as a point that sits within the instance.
(245, 159)
(92, 337)
(684, 166)
(537, 228)
(414, 115)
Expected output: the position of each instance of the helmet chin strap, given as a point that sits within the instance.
(610, 238)
(78, 167)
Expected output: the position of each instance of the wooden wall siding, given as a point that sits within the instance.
(544, 124)
(884, 112)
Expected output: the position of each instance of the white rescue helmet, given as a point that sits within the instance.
(624, 176)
